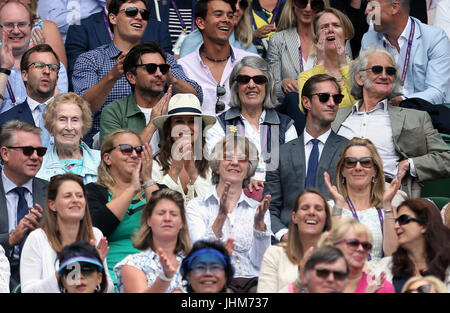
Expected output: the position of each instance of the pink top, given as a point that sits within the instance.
(362, 285)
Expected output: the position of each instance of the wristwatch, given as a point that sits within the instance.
(148, 183)
(5, 70)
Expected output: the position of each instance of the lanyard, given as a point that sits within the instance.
(180, 18)
(355, 215)
(241, 131)
(408, 51)
(274, 14)
(11, 93)
(301, 57)
(105, 19)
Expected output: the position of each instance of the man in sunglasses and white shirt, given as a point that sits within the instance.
(410, 148)
(22, 195)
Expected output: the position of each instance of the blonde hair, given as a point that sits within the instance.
(438, 285)
(349, 30)
(287, 16)
(341, 228)
(377, 188)
(69, 97)
(243, 29)
(26, 6)
(144, 237)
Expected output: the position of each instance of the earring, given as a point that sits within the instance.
(343, 180)
(97, 289)
(374, 180)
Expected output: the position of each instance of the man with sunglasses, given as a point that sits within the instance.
(40, 66)
(410, 148)
(212, 62)
(22, 195)
(421, 51)
(304, 160)
(146, 70)
(98, 74)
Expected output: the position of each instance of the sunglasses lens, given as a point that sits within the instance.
(424, 288)
(27, 150)
(243, 4)
(164, 68)
(391, 71)
(323, 97)
(403, 219)
(350, 162)
(221, 91)
(243, 79)
(353, 243)
(338, 98)
(339, 275)
(138, 150)
(366, 246)
(366, 162)
(301, 3)
(126, 149)
(131, 11)
(220, 106)
(322, 273)
(145, 14)
(317, 5)
(377, 69)
(41, 151)
(151, 68)
(260, 79)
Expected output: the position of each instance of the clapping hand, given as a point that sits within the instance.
(169, 268)
(338, 199)
(375, 283)
(102, 247)
(261, 212)
(38, 36)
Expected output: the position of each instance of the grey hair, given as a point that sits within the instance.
(360, 64)
(11, 127)
(258, 63)
(233, 141)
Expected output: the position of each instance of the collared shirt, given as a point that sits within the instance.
(376, 126)
(309, 145)
(194, 68)
(37, 110)
(93, 65)
(216, 133)
(250, 244)
(20, 92)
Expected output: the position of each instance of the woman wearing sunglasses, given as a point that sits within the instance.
(423, 245)
(81, 269)
(180, 164)
(252, 115)
(310, 218)
(331, 29)
(163, 241)
(360, 193)
(427, 284)
(355, 241)
(68, 118)
(123, 187)
(66, 220)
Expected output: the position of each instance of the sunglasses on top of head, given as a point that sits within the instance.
(127, 149)
(151, 67)
(324, 97)
(257, 79)
(378, 69)
(406, 219)
(29, 150)
(316, 5)
(133, 11)
(366, 162)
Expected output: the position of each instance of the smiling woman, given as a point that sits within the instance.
(67, 118)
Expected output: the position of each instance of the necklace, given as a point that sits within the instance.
(216, 60)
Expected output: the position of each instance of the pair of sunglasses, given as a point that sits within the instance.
(378, 69)
(324, 97)
(422, 289)
(324, 273)
(29, 150)
(133, 11)
(355, 243)
(245, 79)
(366, 162)
(203, 268)
(316, 5)
(127, 149)
(220, 92)
(85, 268)
(406, 219)
(151, 67)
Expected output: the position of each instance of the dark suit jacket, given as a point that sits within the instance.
(20, 112)
(92, 33)
(285, 183)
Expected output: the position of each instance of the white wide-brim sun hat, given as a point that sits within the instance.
(184, 104)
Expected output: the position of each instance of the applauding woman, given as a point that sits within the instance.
(163, 239)
(226, 212)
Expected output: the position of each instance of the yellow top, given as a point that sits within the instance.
(318, 69)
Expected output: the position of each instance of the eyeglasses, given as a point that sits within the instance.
(324, 97)
(127, 149)
(133, 11)
(406, 219)
(316, 5)
(355, 243)
(203, 268)
(366, 162)
(245, 79)
(10, 26)
(29, 150)
(42, 65)
(378, 69)
(151, 67)
(85, 268)
(220, 91)
(324, 273)
(422, 289)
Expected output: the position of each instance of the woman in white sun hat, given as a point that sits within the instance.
(181, 164)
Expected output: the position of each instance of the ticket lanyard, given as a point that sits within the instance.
(355, 215)
(274, 15)
(301, 57)
(408, 51)
(180, 18)
(105, 19)
(11, 93)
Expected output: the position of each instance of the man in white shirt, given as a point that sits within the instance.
(304, 160)
(40, 66)
(410, 148)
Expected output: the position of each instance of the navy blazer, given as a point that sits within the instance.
(19, 112)
(92, 33)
